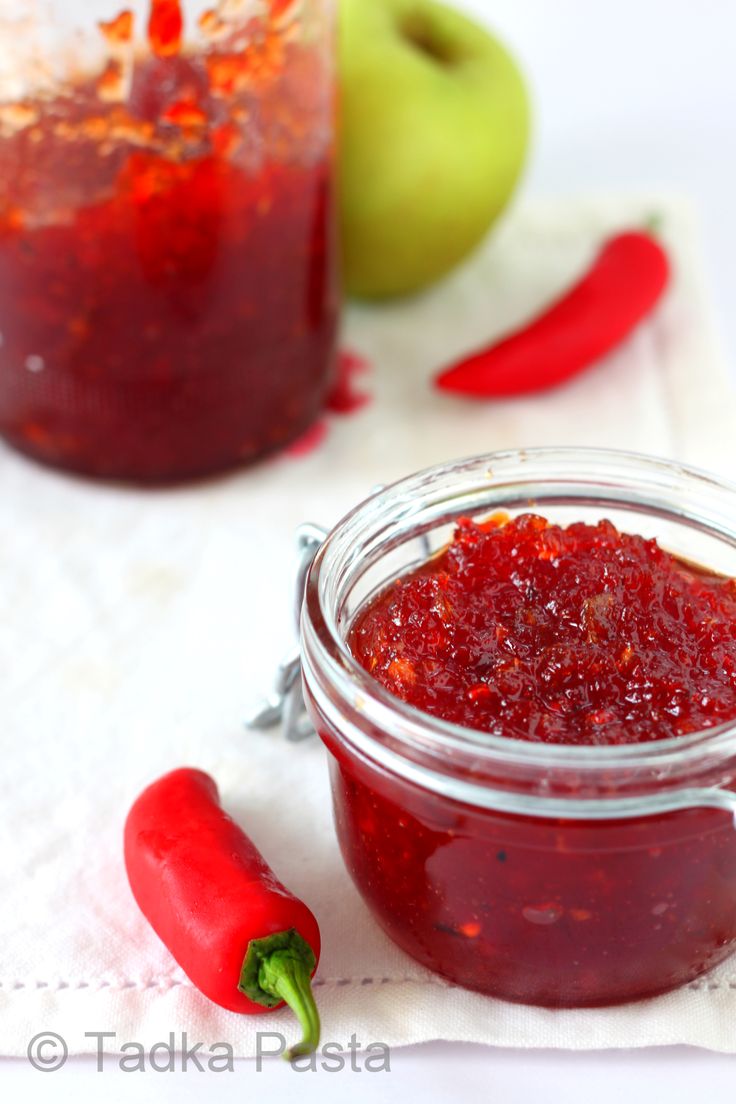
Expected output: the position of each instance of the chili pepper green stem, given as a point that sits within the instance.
(286, 976)
(278, 968)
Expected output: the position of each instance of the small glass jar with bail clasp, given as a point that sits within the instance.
(541, 872)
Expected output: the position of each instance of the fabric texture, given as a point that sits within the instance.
(138, 627)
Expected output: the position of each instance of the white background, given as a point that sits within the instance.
(631, 95)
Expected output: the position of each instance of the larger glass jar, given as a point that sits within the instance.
(548, 874)
(168, 300)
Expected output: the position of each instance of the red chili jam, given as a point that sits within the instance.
(577, 635)
(534, 909)
(168, 301)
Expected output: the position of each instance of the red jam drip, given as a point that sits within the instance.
(345, 396)
(577, 635)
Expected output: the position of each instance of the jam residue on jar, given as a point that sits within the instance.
(576, 635)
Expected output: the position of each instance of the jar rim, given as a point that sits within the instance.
(646, 484)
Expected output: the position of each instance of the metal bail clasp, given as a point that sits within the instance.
(286, 701)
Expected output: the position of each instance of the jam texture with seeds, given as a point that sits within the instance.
(577, 635)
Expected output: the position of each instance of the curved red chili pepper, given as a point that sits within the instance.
(238, 934)
(625, 281)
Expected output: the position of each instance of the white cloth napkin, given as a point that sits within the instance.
(136, 628)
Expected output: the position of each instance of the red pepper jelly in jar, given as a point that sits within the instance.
(168, 300)
(577, 635)
(532, 729)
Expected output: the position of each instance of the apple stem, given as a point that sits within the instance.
(653, 223)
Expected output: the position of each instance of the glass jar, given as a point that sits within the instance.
(168, 300)
(548, 874)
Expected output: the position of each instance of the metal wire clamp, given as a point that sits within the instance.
(285, 703)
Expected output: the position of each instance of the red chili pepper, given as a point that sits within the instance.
(240, 937)
(625, 281)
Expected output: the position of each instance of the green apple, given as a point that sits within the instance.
(434, 129)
